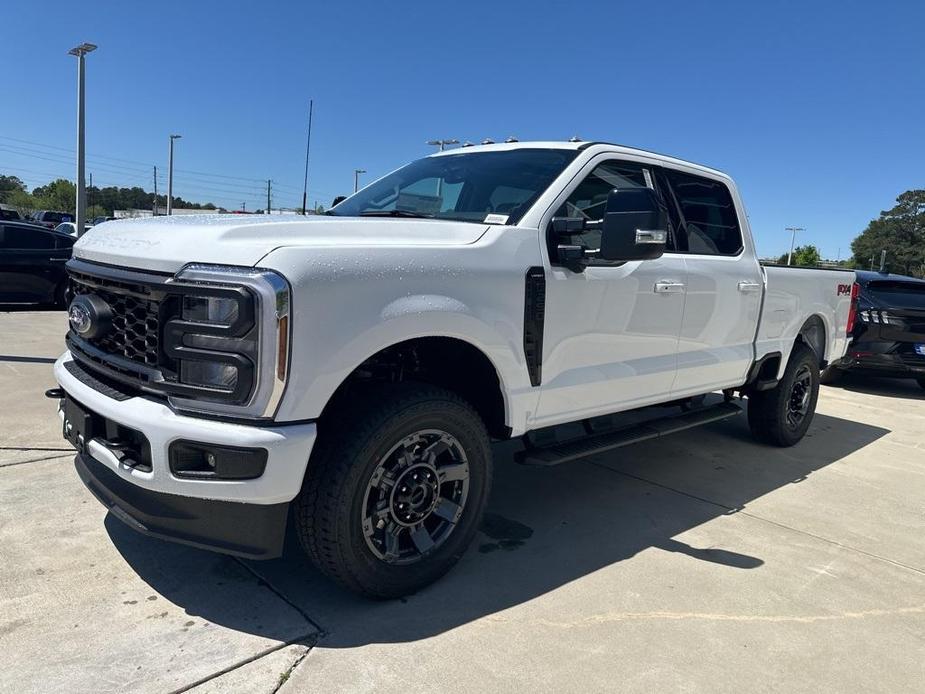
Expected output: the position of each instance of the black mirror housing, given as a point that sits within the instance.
(635, 225)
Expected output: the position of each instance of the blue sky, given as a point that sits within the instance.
(816, 108)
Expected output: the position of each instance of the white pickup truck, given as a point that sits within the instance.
(345, 373)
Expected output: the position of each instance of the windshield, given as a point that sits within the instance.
(468, 186)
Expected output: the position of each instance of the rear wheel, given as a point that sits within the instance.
(395, 490)
(781, 416)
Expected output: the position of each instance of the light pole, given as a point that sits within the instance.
(81, 205)
(793, 234)
(356, 178)
(170, 174)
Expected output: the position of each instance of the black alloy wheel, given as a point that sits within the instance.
(415, 497)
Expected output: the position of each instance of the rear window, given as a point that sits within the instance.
(898, 294)
(710, 218)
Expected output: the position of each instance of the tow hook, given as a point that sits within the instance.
(54, 393)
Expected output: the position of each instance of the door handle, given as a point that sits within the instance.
(749, 286)
(58, 260)
(668, 287)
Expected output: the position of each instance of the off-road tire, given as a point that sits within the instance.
(768, 410)
(328, 514)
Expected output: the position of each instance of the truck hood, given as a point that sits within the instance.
(166, 244)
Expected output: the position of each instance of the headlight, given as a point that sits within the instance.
(228, 340)
(210, 309)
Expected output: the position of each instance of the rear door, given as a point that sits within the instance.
(724, 284)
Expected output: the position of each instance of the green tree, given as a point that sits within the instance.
(807, 255)
(9, 184)
(59, 195)
(900, 232)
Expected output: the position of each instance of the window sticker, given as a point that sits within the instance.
(496, 219)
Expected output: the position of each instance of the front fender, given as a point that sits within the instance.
(344, 312)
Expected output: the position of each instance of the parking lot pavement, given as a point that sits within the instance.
(703, 563)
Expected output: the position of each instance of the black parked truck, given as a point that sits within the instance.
(888, 338)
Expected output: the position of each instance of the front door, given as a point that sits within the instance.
(611, 331)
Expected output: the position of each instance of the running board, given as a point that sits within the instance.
(591, 445)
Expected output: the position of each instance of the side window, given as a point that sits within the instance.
(62, 241)
(708, 214)
(589, 200)
(18, 238)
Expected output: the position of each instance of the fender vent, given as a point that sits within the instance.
(534, 316)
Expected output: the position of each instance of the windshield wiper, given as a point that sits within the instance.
(395, 213)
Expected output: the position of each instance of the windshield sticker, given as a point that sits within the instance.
(496, 219)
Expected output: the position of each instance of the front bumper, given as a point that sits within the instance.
(226, 515)
(255, 531)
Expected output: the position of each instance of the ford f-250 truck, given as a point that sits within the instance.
(226, 376)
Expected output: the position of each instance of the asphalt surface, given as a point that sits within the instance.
(700, 563)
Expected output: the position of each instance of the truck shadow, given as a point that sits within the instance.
(545, 527)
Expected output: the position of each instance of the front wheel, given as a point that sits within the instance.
(781, 416)
(395, 489)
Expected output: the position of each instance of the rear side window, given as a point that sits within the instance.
(19, 238)
(707, 214)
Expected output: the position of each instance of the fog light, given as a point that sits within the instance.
(207, 461)
(209, 374)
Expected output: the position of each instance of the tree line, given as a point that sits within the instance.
(61, 195)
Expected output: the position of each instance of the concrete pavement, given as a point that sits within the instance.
(702, 563)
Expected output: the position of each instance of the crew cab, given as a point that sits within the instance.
(227, 375)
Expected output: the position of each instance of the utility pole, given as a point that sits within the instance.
(90, 192)
(793, 233)
(81, 203)
(155, 191)
(170, 174)
(268, 196)
(243, 207)
(308, 146)
(356, 178)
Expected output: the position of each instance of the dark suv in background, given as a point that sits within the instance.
(32, 265)
(50, 219)
(889, 333)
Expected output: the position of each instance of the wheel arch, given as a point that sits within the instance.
(813, 335)
(449, 362)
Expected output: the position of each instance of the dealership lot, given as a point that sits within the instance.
(702, 562)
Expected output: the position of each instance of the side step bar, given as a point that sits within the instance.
(579, 448)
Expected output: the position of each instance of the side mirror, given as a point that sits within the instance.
(635, 225)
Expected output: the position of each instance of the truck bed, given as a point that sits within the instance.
(792, 294)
